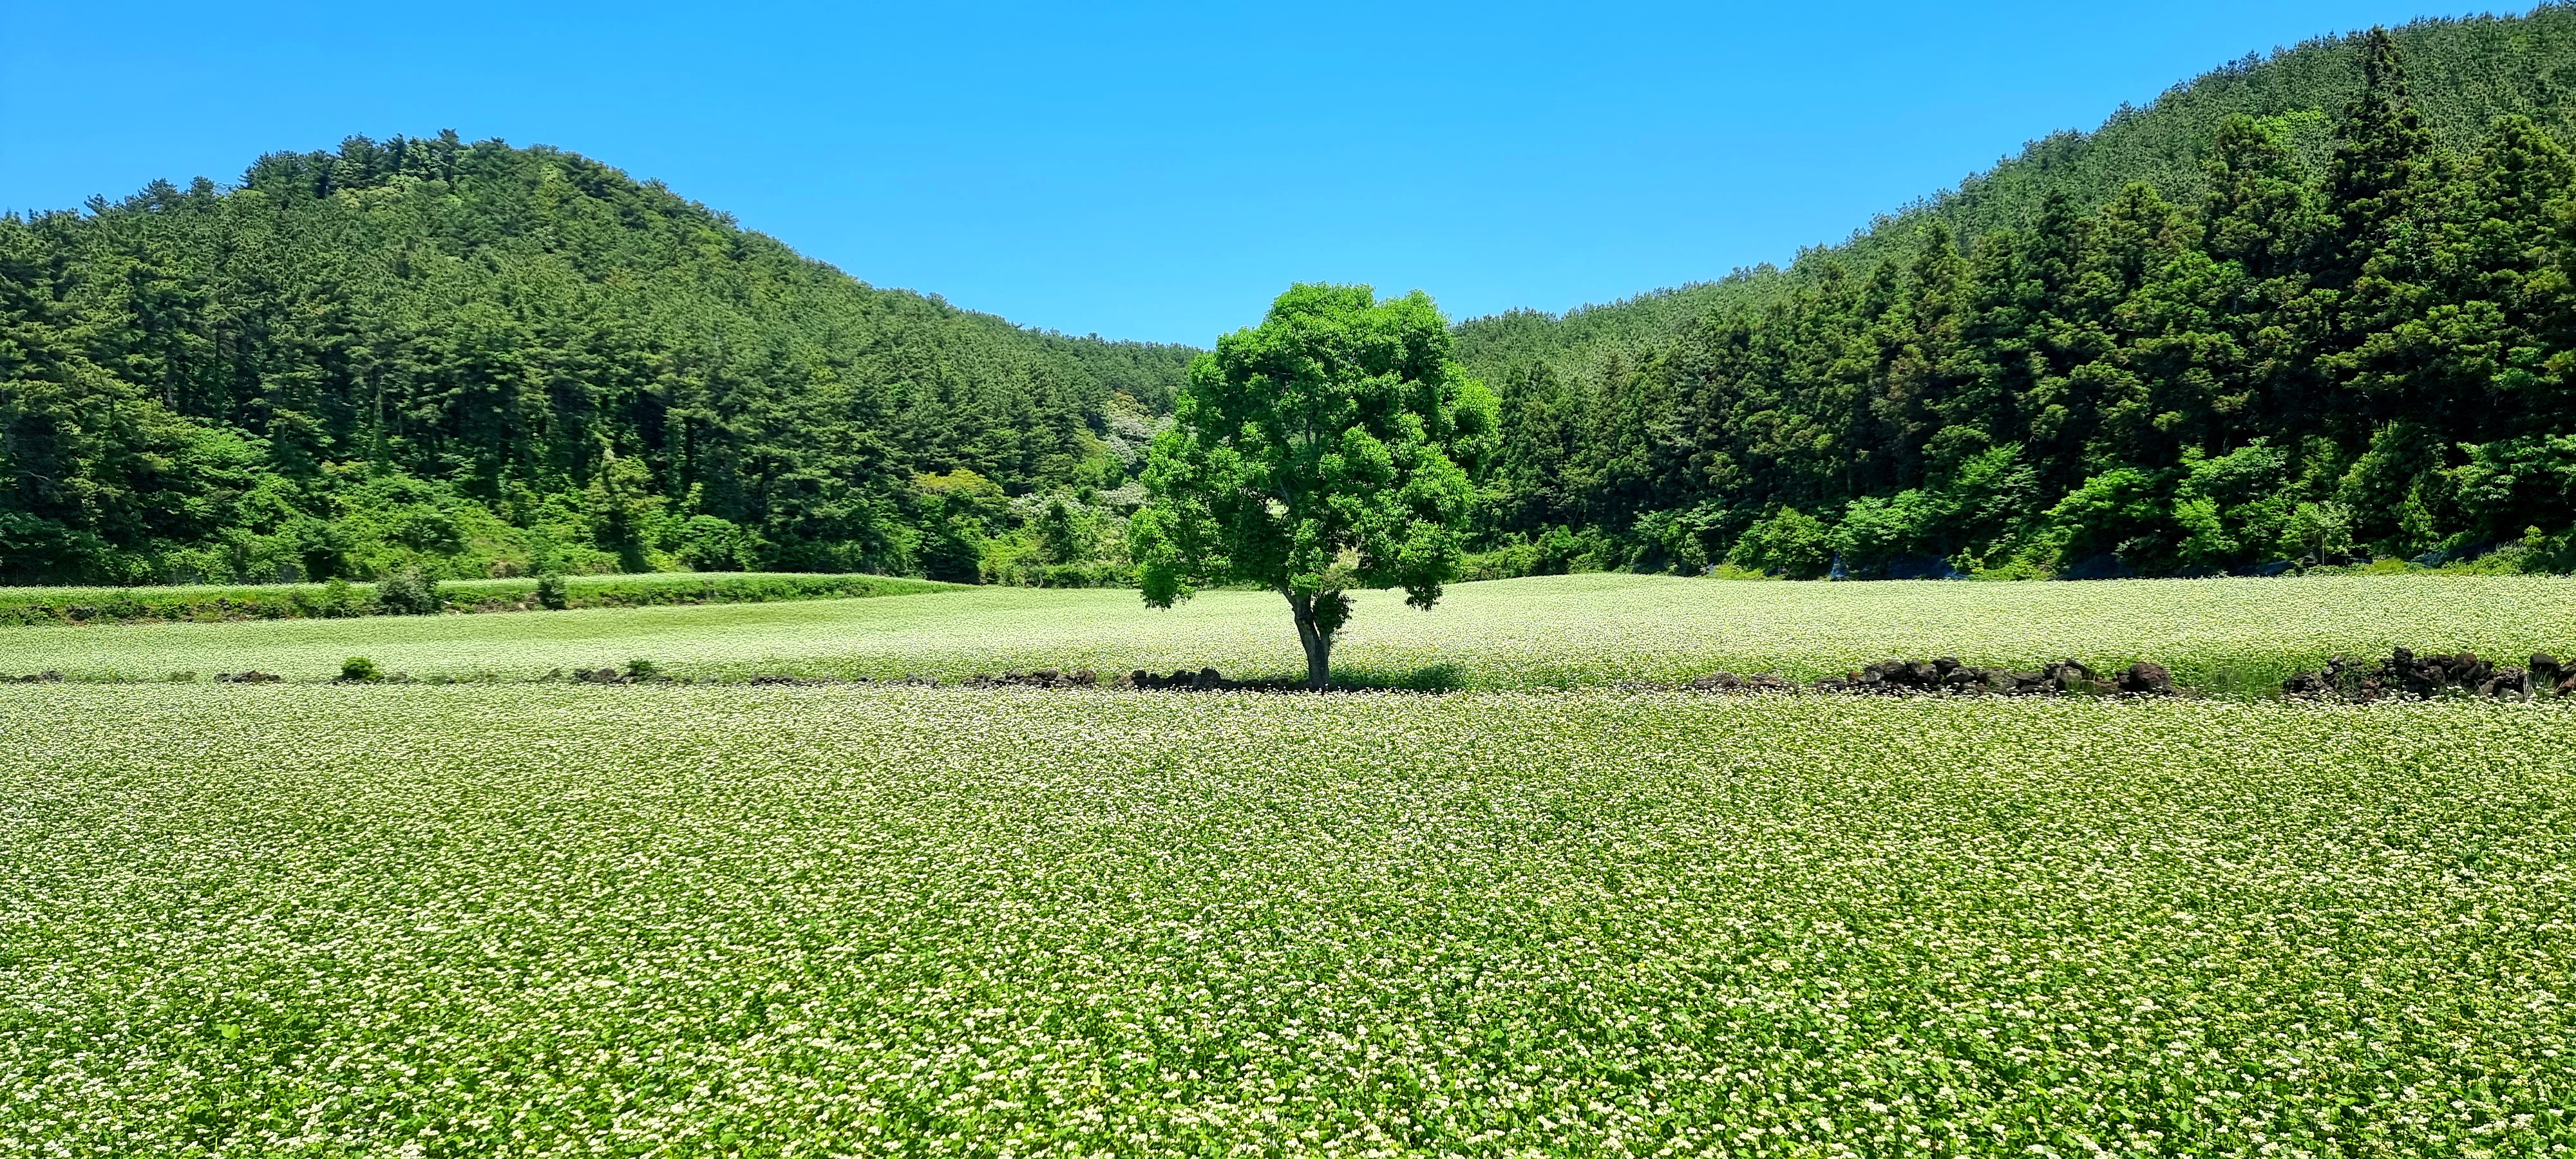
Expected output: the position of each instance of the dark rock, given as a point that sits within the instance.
(2423, 677)
(2068, 676)
(1889, 676)
(1041, 678)
(1203, 680)
(2146, 679)
(2507, 684)
(2467, 668)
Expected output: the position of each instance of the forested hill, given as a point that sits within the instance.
(2200, 340)
(473, 358)
(2464, 73)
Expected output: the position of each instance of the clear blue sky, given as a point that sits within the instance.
(1155, 171)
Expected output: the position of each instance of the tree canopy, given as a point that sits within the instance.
(2465, 72)
(1326, 449)
(2348, 335)
(2307, 307)
(472, 357)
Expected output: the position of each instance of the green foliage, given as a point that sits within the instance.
(482, 361)
(552, 593)
(1060, 536)
(408, 593)
(358, 670)
(715, 543)
(1790, 543)
(1316, 453)
(1977, 509)
(1554, 550)
(340, 598)
(2340, 276)
(2319, 530)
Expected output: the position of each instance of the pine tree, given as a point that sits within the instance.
(2259, 212)
(2383, 161)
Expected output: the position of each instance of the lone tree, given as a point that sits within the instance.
(1317, 452)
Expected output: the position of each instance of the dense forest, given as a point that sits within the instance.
(474, 359)
(2316, 307)
(2345, 328)
(2465, 74)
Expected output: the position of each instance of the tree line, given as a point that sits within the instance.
(478, 359)
(2353, 339)
(2332, 335)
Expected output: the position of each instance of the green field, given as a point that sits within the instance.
(2225, 635)
(470, 920)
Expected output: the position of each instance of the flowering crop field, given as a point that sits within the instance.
(2232, 634)
(470, 920)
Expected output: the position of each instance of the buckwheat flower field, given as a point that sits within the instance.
(1561, 631)
(476, 920)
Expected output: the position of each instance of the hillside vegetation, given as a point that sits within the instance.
(2302, 311)
(2309, 306)
(2466, 73)
(478, 359)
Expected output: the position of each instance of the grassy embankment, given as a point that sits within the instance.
(213, 603)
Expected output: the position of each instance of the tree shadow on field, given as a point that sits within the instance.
(1443, 677)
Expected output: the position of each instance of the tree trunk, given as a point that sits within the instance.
(1319, 647)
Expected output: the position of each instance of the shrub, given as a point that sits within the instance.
(358, 670)
(339, 599)
(552, 593)
(2319, 529)
(1791, 543)
(640, 668)
(408, 593)
(710, 543)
